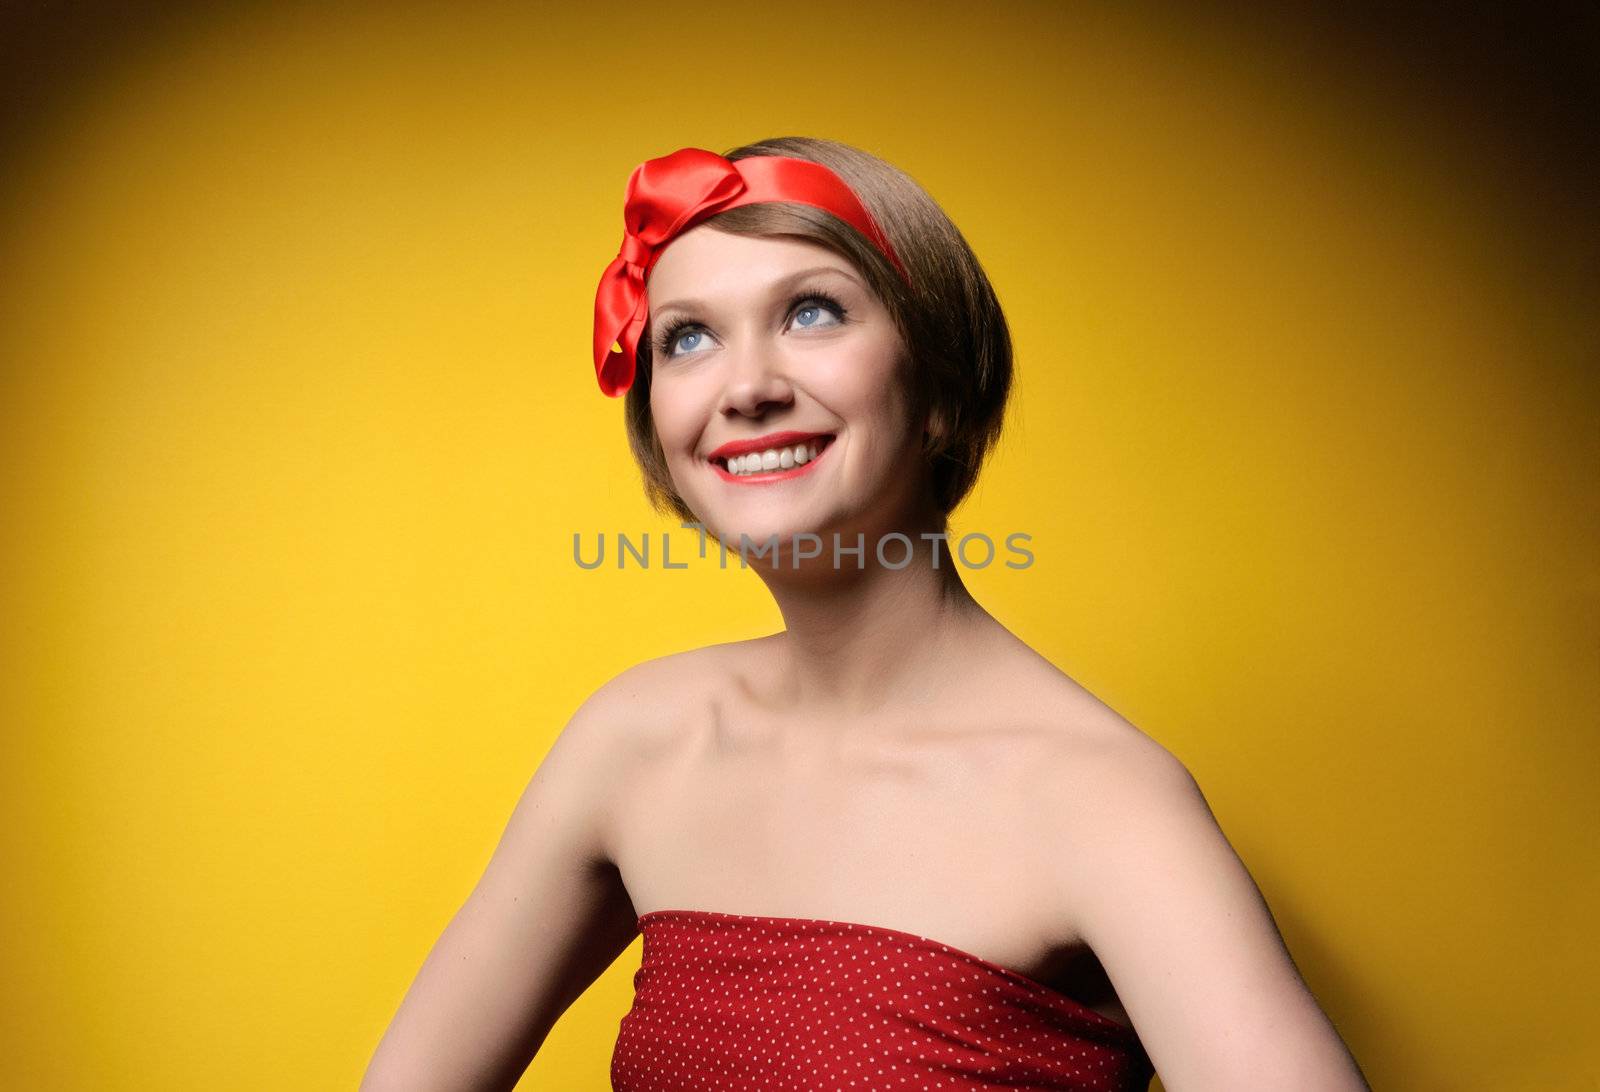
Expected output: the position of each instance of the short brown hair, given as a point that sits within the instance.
(958, 343)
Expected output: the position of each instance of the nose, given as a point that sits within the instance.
(754, 381)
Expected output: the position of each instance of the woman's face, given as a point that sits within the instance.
(760, 336)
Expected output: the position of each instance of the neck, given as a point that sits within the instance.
(857, 641)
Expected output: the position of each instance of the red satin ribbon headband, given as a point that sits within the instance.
(669, 195)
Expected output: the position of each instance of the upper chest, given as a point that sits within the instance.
(940, 831)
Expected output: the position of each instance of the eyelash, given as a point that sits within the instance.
(679, 326)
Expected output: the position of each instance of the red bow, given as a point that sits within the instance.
(669, 195)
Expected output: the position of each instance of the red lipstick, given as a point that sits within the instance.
(761, 443)
(822, 441)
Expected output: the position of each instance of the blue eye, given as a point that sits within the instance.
(817, 306)
(800, 316)
(678, 331)
(683, 336)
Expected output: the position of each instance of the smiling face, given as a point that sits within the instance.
(773, 350)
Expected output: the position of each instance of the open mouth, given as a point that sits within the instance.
(773, 464)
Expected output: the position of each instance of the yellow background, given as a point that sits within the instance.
(299, 418)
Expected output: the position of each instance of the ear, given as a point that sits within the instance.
(934, 430)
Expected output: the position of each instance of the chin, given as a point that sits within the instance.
(728, 526)
(759, 532)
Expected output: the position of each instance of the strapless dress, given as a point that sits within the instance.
(735, 1001)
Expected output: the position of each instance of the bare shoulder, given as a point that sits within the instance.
(572, 802)
(1102, 790)
(639, 699)
(550, 912)
(1135, 802)
(1141, 871)
(1082, 735)
(639, 713)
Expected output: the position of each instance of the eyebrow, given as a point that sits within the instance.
(779, 285)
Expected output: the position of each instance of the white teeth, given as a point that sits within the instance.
(777, 458)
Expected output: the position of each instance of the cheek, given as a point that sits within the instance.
(870, 391)
(673, 417)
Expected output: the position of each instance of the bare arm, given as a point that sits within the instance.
(548, 916)
(1189, 943)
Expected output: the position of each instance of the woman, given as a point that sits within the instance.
(890, 846)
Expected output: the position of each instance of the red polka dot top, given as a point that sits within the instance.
(732, 1001)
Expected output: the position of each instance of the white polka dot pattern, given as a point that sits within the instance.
(735, 1001)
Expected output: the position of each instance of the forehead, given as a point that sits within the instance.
(704, 262)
